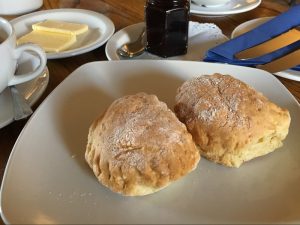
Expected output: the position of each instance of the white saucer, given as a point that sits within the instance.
(202, 36)
(101, 28)
(232, 7)
(31, 90)
(17, 7)
(251, 24)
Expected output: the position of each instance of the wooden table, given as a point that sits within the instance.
(124, 13)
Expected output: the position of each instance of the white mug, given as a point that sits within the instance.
(15, 7)
(211, 3)
(9, 55)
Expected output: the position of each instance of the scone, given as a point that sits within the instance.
(230, 122)
(138, 146)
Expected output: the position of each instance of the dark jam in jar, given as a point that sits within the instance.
(167, 25)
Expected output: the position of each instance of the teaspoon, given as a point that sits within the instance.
(21, 108)
(133, 49)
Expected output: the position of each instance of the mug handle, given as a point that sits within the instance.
(31, 75)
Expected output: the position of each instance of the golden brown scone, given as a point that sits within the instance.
(230, 122)
(138, 146)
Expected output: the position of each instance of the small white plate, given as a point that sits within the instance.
(31, 90)
(202, 36)
(251, 24)
(101, 28)
(231, 7)
(47, 180)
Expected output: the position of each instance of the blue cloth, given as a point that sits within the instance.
(225, 52)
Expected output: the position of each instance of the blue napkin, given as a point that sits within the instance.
(225, 52)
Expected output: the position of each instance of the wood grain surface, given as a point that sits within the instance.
(124, 13)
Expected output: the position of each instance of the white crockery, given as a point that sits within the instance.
(15, 7)
(210, 3)
(10, 53)
(229, 8)
(47, 180)
(101, 28)
(202, 37)
(31, 90)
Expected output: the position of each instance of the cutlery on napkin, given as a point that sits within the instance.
(271, 46)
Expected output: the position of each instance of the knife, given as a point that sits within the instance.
(271, 45)
(283, 63)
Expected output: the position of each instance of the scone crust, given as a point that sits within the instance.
(138, 146)
(230, 121)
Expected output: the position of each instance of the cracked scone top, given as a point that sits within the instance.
(138, 146)
(230, 122)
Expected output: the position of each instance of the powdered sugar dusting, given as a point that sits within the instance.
(218, 99)
(208, 115)
(134, 159)
(221, 101)
(233, 103)
(142, 119)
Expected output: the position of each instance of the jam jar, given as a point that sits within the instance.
(167, 25)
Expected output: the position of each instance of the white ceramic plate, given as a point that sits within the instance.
(251, 24)
(101, 28)
(47, 180)
(17, 7)
(202, 37)
(31, 90)
(232, 7)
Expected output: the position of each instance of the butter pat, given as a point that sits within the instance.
(49, 41)
(61, 27)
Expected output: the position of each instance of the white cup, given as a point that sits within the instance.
(211, 3)
(15, 7)
(9, 55)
